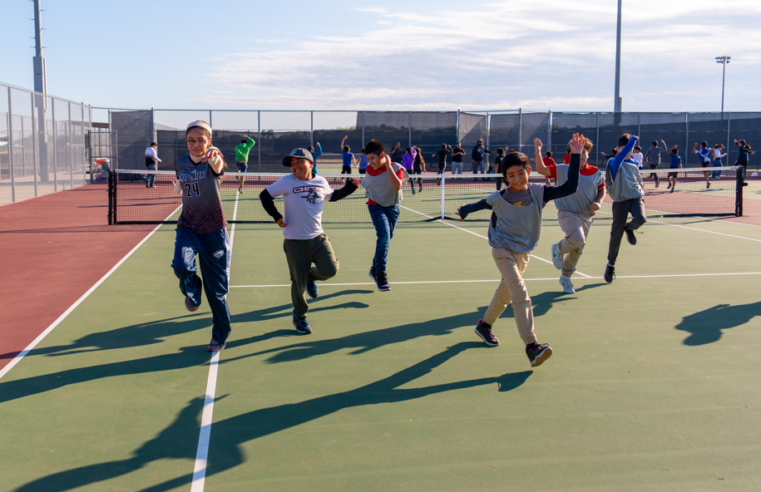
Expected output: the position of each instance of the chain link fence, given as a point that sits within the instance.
(277, 132)
(42, 144)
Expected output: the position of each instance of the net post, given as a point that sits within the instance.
(443, 186)
(10, 147)
(740, 184)
(111, 197)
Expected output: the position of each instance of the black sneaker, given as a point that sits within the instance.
(215, 346)
(538, 353)
(630, 237)
(302, 325)
(483, 330)
(240, 190)
(672, 189)
(382, 282)
(312, 289)
(371, 273)
(610, 273)
(708, 184)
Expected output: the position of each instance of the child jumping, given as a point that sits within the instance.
(575, 212)
(676, 163)
(202, 231)
(384, 193)
(624, 184)
(241, 158)
(705, 158)
(514, 230)
(304, 194)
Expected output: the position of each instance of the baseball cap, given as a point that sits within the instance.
(200, 124)
(300, 153)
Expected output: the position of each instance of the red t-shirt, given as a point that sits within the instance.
(587, 170)
(549, 161)
(567, 158)
(375, 172)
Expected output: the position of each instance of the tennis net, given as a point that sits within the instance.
(434, 198)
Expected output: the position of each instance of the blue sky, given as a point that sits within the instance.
(426, 55)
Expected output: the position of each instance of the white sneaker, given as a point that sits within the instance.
(557, 258)
(565, 282)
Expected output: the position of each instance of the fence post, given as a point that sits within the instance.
(520, 129)
(729, 139)
(597, 142)
(311, 128)
(55, 146)
(549, 130)
(34, 147)
(639, 126)
(23, 150)
(10, 147)
(458, 126)
(71, 149)
(84, 150)
(210, 120)
(409, 124)
(686, 138)
(259, 136)
(363, 129)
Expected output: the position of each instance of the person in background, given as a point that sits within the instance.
(397, 154)
(567, 156)
(705, 158)
(457, 154)
(716, 155)
(637, 156)
(676, 163)
(498, 166)
(151, 163)
(418, 167)
(742, 159)
(348, 157)
(363, 162)
(410, 153)
(241, 158)
(315, 154)
(653, 158)
(442, 154)
(477, 157)
(548, 161)
(610, 156)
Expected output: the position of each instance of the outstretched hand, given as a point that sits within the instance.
(211, 154)
(577, 143)
(537, 143)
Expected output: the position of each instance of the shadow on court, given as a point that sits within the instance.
(179, 440)
(707, 326)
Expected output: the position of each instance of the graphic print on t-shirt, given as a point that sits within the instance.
(303, 202)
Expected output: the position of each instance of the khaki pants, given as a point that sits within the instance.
(300, 255)
(576, 229)
(512, 288)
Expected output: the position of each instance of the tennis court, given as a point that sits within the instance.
(654, 382)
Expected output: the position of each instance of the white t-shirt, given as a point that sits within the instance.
(303, 205)
(637, 157)
(718, 153)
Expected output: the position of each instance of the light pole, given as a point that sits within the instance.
(617, 103)
(723, 60)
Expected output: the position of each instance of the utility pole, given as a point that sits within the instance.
(723, 60)
(40, 87)
(617, 103)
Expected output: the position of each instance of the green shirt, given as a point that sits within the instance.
(242, 150)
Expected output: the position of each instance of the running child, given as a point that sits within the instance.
(304, 194)
(498, 165)
(442, 154)
(202, 231)
(716, 155)
(575, 212)
(705, 158)
(637, 156)
(241, 158)
(676, 163)
(363, 162)
(567, 156)
(348, 157)
(514, 230)
(624, 183)
(418, 167)
(384, 193)
(316, 153)
(653, 158)
(743, 156)
(549, 161)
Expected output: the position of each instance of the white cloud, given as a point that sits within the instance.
(554, 54)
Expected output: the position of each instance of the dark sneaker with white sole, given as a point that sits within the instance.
(630, 237)
(371, 273)
(538, 353)
(215, 346)
(483, 330)
(382, 282)
(302, 325)
(190, 306)
(610, 273)
(312, 289)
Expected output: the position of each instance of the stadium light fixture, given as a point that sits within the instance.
(723, 60)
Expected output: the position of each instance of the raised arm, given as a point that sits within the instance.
(343, 141)
(349, 188)
(694, 148)
(622, 155)
(570, 186)
(249, 142)
(540, 167)
(396, 183)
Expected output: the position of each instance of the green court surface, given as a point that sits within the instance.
(654, 383)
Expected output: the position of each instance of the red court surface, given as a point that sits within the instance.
(54, 248)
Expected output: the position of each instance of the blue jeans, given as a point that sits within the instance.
(213, 252)
(150, 179)
(384, 220)
(478, 166)
(716, 174)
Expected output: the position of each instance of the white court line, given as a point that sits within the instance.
(703, 230)
(479, 235)
(79, 301)
(204, 436)
(731, 274)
